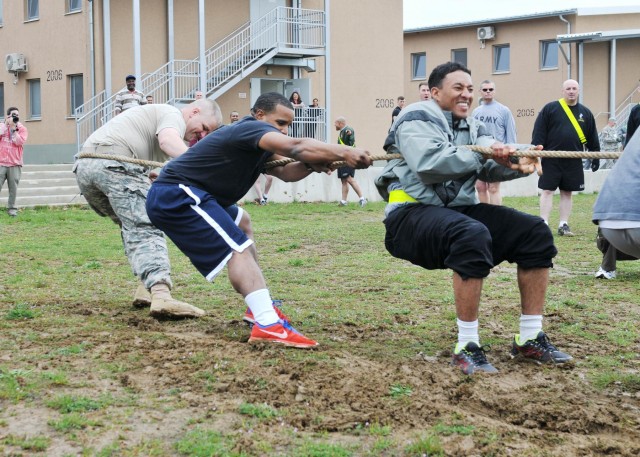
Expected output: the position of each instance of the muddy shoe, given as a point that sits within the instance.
(282, 333)
(142, 297)
(471, 358)
(538, 350)
(168, 307)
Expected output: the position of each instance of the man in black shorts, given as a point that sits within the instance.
(564, 125)
(347, 137)
(434, 219)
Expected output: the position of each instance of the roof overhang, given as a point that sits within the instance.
(599, 36)
(524, 17)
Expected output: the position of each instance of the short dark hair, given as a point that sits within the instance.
(441, 71)
(11, 108)
(269, 101)
(400, 98)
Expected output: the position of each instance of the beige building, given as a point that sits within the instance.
(529, 57)
(66, 59)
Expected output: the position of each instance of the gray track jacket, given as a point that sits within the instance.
(435, 169)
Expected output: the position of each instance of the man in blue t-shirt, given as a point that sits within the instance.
(193, 202)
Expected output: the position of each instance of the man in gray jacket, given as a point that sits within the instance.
(435, 220)
(616, 210)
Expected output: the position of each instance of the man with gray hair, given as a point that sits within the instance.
(118, 189)
(499, 121)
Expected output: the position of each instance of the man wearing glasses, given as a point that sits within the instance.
(501, 125)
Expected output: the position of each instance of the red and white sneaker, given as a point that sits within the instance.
(281, 332)
(249, 319)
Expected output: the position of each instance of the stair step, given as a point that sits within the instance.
(45, 185)
(45, 200)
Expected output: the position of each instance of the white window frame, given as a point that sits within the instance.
(30, 5)
(544, 45)
(35, 99)
(460, 50)
(75, 82)
(74, 9)
(418, 59)
(498, 54)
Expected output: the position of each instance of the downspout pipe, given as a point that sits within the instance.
(92, 51)
(569, 51)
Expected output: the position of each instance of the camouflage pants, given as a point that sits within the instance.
(119, 191)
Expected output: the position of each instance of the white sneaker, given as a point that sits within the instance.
(363, 201)
(602, 274)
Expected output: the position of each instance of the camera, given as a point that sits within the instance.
(15, 119)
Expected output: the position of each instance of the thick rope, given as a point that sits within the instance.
(488, 152)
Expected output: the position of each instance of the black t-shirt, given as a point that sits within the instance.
(555, 132)
(633, 122)
(224, 163)
(395, 112)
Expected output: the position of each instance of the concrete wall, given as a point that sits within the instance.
(326, 188)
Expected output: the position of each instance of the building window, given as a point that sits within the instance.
(548, 55)
(419, 65)
(76, 93)
(2, 98)
(33, 9)
(35, 108)
(74, 6)
(459, 56)
(501, 58)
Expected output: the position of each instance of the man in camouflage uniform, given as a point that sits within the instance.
(610, 139)
(129, 97)
(118, 189)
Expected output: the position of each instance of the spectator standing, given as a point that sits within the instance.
(149, 99)
(347, 137)
(500, 123)
(397, 109)
(434, 220)
(234, 116)
(13, 136)
(313, 112)
(129, 97)
(611, 138)
(297, 130)
(263, 197)
(423, 91)
(118, 189)
(199, 95)
(564, 125)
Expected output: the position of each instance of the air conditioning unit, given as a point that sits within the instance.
(16, 62)
(486, 33)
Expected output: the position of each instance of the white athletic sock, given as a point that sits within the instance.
(467, 332)
(530, 326)
(259, 302)
(265, 197)
(562, 223)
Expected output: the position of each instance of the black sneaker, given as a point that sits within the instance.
(539, 350)
(472, 358)
(564, 230)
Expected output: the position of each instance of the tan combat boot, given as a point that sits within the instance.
(142, 297)
(163, 305)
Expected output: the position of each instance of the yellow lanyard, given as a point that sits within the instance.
(573, 120)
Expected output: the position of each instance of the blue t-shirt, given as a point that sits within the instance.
(225, 163)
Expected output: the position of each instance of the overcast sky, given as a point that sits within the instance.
(426, 13)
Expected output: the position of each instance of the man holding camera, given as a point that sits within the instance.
(13, 135)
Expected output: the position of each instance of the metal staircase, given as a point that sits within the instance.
(290, 32)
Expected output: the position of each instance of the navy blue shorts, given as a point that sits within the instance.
(563, 174)
(204, 231)
(470, 240)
